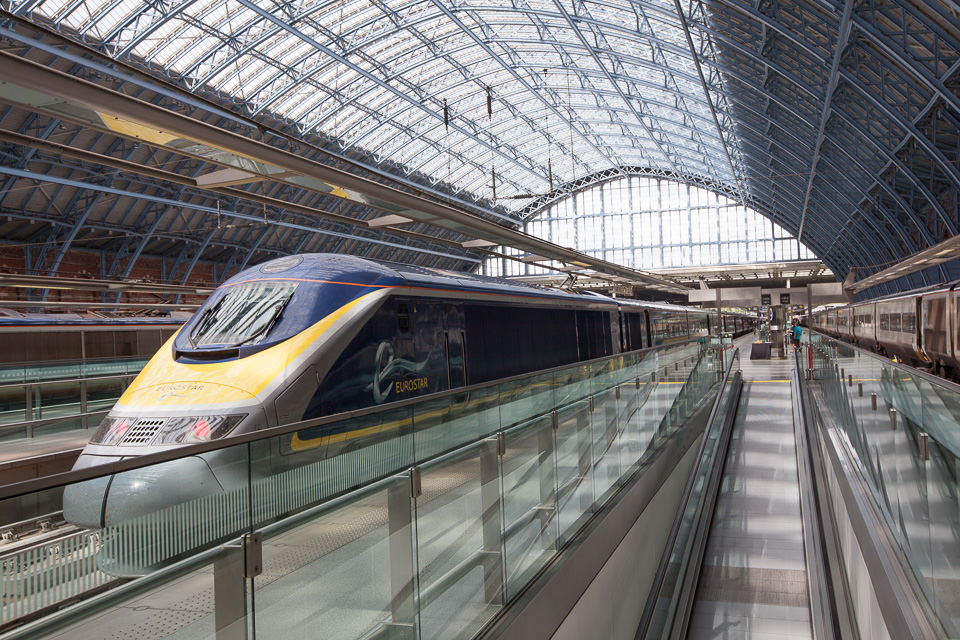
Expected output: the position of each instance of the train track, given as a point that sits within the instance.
(16, 536)
(47, 564)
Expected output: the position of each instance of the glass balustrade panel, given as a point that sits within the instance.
(529, 501)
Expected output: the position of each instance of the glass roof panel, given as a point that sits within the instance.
(376, 75)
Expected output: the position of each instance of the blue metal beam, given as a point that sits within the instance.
(210, 210)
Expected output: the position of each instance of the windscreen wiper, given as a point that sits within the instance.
(277, 312)
(203, 318)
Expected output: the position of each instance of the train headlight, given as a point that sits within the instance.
(188, 429)
(111, 430)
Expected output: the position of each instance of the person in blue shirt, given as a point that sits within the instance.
(797, 332)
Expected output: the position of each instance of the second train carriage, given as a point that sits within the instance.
(919, 327)
(47, 338)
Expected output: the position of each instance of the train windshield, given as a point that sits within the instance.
(244, 315)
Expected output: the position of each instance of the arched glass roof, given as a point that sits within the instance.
(572, 88)
(837, 120)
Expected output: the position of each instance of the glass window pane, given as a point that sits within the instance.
(643, 222)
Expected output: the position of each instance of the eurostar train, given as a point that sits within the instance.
(305, 336)
(920, 327)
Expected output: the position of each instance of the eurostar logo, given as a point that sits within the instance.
(179, 390)
(388, 365)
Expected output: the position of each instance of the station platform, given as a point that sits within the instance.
(23, 459)
(48, 411)
(753, 583)
(468, 520)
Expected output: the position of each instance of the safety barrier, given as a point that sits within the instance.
(416, 519)
(670, 603)
(36, 400)
(890, 442)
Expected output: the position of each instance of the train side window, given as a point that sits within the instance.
(98, 344)
(403, 318)
(59, 346)
(884, 321)
(909, 323)
(149, 342)
(126, 343)
(894, 322)
(14, 347)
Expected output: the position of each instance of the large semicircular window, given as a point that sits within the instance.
(655, 223)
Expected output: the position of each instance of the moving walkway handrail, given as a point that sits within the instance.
(827, 612)
(60, 479)
(877, 561)
(681, 602)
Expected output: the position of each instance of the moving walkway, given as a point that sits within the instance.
(575, 501)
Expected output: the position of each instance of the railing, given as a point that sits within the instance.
(35, 409)
(418, 519)
(671, 600)
(894, 432)
(31, 372)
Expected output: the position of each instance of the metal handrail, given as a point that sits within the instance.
(926, 375)
(69, 477)
(906, 610)
(425, 595)
(658, 581)
(39, 383)
(825, 609)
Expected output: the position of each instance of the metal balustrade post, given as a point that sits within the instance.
(548, 475)
(611, 417)
(584, 459)
(924, 442)
(28, 408)
(83, 404)
(491, 521)
(610, 408)
(230, 594)
(401, 490)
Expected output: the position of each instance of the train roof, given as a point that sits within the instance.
(660, 306)
(933, 288)
(10, 317)
(361, 272)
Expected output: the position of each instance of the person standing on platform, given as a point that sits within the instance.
(797, 332)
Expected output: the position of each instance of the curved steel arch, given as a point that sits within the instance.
(856, 118)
